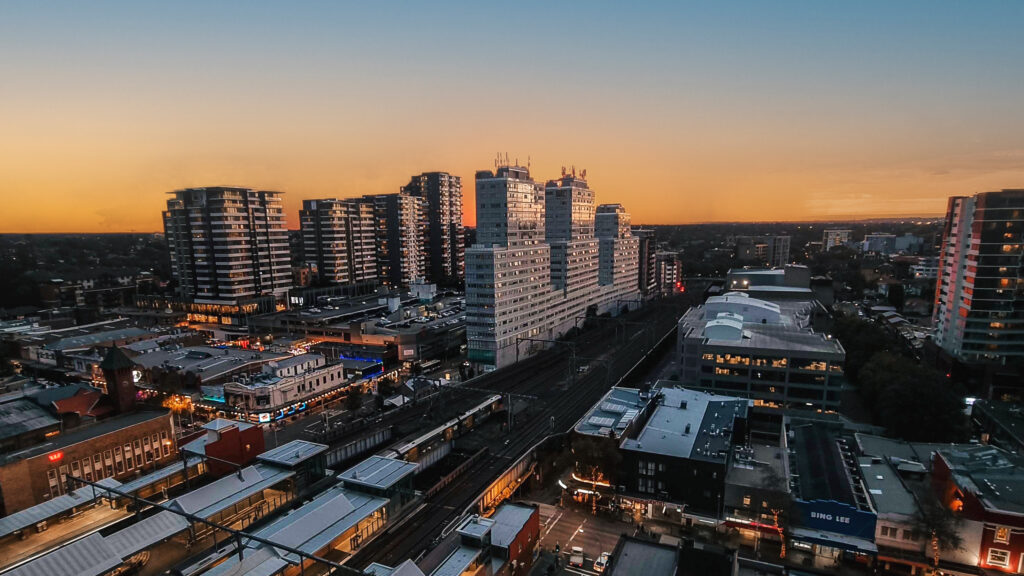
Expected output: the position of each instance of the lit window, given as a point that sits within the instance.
(998, 557)
(1002, 535)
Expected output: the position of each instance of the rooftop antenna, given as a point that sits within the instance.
(583, 174)
(527, 161)
(563, 171)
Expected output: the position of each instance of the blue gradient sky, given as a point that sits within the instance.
(684, 112)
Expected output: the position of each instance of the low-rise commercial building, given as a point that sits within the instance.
(739, 345)
(285, 386)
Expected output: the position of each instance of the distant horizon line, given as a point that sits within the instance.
(851, 220)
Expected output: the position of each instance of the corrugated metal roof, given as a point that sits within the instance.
(50, 508)
(292, 453)
(90, 556)
(457, 563)
(229, 490)
(378, 472)
(223, 423)
(262, 562)
(145, 533)
(509, 521)
(21, 416)
(407, 568)
(160, 474)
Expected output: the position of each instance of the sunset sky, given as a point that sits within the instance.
(683, 112)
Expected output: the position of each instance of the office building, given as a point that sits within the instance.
(445, 251)
(832, 238)
(339, 239)
(646, 262)
(534, 269)
(978, 315)
(227, 244)
(743, 346)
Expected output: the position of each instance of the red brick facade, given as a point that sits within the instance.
(241, 447)
(140, 446)
(1002, 541)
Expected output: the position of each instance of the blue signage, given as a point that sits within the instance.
(832, 516)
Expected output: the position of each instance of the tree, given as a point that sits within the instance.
(939, 525)
(354, 399)
(861, 339)
(911, 401)
(778, 504)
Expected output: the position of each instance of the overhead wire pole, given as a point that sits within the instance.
(572, 353)
(509, 395)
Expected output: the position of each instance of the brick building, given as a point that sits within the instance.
(227, 440)
(120, 447)
(983, 484)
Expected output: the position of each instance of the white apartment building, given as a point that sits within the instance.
(619, 262)
(569, 230)
(535, 267)
(285, 386)
(227, 244)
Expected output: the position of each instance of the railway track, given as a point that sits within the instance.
(420, 531)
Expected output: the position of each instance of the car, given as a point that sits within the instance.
(602, 562)
(576, 557)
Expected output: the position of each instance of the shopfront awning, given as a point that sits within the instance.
(835, 540)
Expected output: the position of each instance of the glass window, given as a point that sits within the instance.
(998, 557)
(1002, 535)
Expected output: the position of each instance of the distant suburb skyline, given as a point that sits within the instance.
(683, 112)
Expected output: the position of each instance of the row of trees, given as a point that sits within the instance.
(911, 401)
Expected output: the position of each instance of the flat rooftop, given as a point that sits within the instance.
(509, 521)
(96, 338)
(885, 489)
(209, 361)
(614, 412)
(752, 465)
(378, 472)
(689, 424)
(993, 474)
(882, 447)
(633, 557)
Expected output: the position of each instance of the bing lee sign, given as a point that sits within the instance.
(830, 517)
(838, 517)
